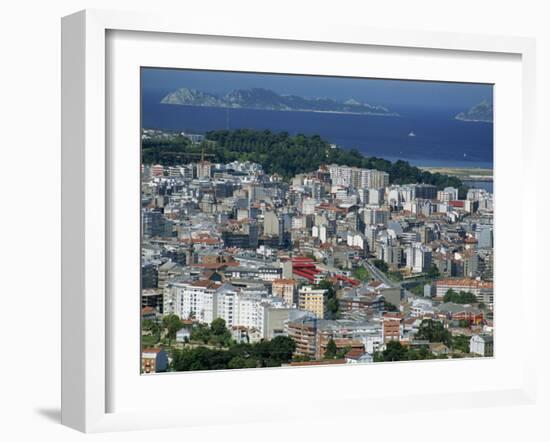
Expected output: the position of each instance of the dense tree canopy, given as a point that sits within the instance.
(434, 331)
(459, 297)
(271, 353)
(216, 334)
(395, 351)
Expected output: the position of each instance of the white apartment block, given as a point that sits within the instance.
(251, 312)
(358, 178)
(419, 257)
(376, 196)
(357, 240)
(400, 194)
(206, 301)
(448, 194)
(340, 175)
(191, 299)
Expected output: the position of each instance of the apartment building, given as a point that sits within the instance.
(392, 327)
(286, 289)
(312, 300)
(193, 299)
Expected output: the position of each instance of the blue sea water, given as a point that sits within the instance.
(439, 139)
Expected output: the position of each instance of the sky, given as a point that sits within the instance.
(396, 93)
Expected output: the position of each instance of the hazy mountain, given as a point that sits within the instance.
(266, 99)
(482, 112)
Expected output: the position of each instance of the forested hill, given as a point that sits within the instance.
(282, 154)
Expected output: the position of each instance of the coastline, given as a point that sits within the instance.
(464, 173)
(372, 114)
(473, 120)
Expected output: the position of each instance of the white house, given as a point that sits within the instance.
(358, 357)
(481, 345)
(183, 335)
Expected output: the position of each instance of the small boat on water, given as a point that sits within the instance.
(412, 134)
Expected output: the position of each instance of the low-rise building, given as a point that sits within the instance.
(481, 345)
(460, 312)
(358, 356)
(183, 334)
(154, 360)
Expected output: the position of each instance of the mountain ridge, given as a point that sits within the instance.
(266, 99)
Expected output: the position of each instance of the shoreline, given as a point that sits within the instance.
(463, 173)
(371, 114)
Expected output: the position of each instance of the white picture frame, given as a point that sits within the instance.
(87, 210)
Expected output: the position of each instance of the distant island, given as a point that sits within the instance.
(265, 99)
(482, 112)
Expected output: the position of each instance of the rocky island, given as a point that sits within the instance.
(265, 99)
(482, 112)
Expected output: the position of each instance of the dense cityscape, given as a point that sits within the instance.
(243, 267)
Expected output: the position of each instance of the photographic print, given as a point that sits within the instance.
(301, 220)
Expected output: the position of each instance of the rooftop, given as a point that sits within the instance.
(464, 282)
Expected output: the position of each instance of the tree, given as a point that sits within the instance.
(237, 362)
(172, 324)
(218, 326)
(381, 265)
(341, 353)
(332, 303)
(418, 289)
(394, 352)
(460, 297)
(200, 332)
(433, 331)
(147, 324)
(361, 273)
(152, 326)
(272, 353)
(395, 276)
(331, 350)
(461, 343)
(433, 272)
(281, 349)
(242, 362)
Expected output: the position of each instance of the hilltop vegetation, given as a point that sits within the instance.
(283, 154)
